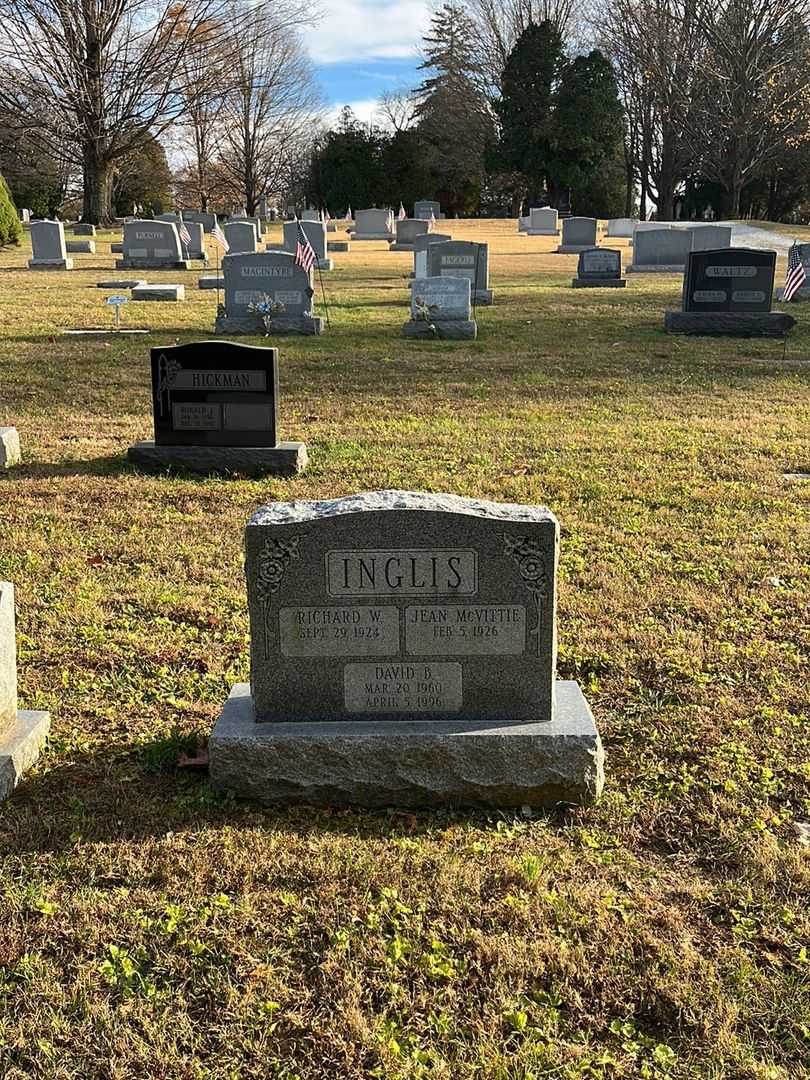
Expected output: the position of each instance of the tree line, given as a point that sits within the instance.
(692, 107)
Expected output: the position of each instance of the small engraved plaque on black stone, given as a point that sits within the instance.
(215, 393)
(737, 280)
(600, 263)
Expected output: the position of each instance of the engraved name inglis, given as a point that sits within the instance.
(402, 573)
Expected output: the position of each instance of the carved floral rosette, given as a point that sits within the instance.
(273, 563)
(528, 555)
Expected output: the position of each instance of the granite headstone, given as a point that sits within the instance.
(441, 308)
(49, 251)
(466, 259)
(578, 233)
(403, 651)
(151, 245)
(268, 277)
(599, 268)
(215, 407)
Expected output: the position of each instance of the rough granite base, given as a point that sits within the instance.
(211, 283)
(372, 236)
(10, 453)
(421, 763)
(573, 249)
(664, 268)
(444, 330)
(400, 247)
(283, 324)
(80, 247)
(50, 264)
(338, 245)
(20, 746)
(540, 232)
(729, 324)
(286, 459)
(596, 283)
(152, 264)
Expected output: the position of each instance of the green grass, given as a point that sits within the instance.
(150, 929)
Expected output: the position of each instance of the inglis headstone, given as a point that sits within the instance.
(215, 407)
(49, 248)
(22, 732)
(403, 651)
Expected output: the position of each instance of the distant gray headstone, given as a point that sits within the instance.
(407, 231)
(267, 277)
(151, 245)
(599, 268)
(420, 247)
(241, 237)
(425, 207)
(311, 214)
(403, 651)
(578, 233)
(196, 249)
(543, 221)
(621, 227)
(710, 237)
(372, 225)
(440, 308)
(462, 258)
(208, 221)
(315, 232)
(49, 248)
(662, 250)
(83, 229)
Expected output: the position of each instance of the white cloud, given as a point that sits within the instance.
(365, 111)
(362, 29)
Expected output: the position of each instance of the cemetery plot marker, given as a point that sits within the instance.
(215, 407)
(22, 732)
(403, 651)
(599, 268)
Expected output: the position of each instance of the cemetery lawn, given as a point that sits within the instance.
(151, 929)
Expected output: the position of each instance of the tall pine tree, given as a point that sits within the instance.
(525, 109)
(452, 112)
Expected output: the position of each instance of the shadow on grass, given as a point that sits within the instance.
(109, 465)
(124, 796)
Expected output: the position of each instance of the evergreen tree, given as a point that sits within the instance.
(525, 108)
(452, 112)
(586, 131)
(346, 166)
(10, 228)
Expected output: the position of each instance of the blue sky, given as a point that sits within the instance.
(363, 48)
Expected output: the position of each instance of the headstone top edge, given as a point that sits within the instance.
(302, 510)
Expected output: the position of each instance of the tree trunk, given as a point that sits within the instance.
(98, 176)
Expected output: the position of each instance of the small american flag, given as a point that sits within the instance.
(401, 216)
(218, 236)
(795, 277)
(349, 215)
(304, 254)
(185, 235)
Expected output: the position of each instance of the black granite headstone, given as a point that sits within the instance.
(736, 280)
(215, 393)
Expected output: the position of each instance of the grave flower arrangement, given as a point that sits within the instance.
(266, 309)
(423, 312)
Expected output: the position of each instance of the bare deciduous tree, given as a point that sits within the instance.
(755, 67)
(102, 73)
